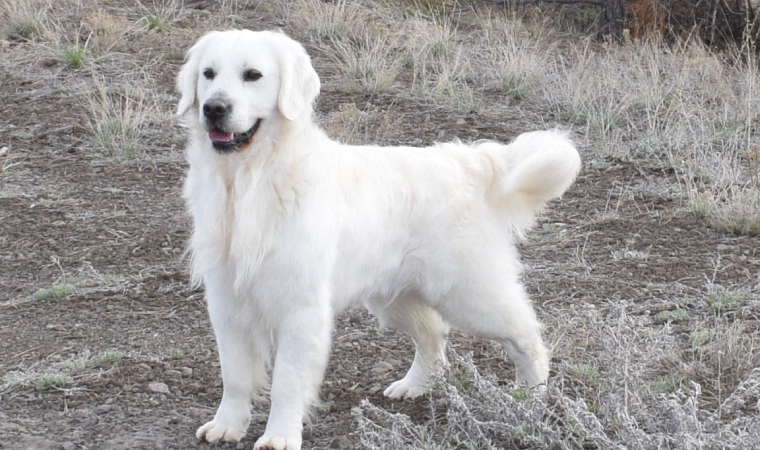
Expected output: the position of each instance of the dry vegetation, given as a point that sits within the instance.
(646, 275)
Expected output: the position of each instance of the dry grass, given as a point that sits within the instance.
(115, 122)
(160, 15)
(25, 20)
(350, 124)
(120, 116)
(328, 22)
(368, 61)
(688, 108)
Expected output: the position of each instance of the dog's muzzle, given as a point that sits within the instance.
(225, 142)
(216, 112)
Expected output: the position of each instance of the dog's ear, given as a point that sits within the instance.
(299, 82)
(187, 79)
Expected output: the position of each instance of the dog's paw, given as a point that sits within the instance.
(214, 432)
(267, 442)
(405, 388)
(533, 374)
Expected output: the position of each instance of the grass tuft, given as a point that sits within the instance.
(24, 29)
(369, 61)
(105, 358)
(118, 134)
(60, 291)
(74, 56)
(47, 381)
(725, 300)
(24, 20)
(332, 22)
(584, 371)
(676, 315)
(667, 384)
(156, 22)
(739, 213)
(160, 15)
(699, 338)
(519, 394)
(119, 116)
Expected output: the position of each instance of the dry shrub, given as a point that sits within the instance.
(625, 404)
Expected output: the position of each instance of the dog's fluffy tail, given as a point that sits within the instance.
(540, 166)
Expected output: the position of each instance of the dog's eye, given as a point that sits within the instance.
(251, 75)
(209, 74)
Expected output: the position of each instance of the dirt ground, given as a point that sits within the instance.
(115, 230)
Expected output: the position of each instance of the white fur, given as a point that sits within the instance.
(296, 227)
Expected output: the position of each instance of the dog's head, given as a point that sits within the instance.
(236, 81)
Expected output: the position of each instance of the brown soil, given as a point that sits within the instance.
(115, 230)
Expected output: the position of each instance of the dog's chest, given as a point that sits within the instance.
(236, 216)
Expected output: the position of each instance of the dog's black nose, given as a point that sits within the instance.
(215, 109)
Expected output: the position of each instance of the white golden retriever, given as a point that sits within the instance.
(291, 227)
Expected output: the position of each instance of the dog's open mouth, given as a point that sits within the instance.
(225, 142)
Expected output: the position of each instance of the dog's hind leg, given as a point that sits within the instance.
(502, 313)
(428, 331)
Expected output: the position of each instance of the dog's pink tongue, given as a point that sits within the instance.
(219, 136)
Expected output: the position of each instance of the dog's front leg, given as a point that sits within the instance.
(303, 347)
(243, 369)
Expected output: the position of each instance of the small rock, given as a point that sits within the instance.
(382, 367)
(103, 408)
(68, 446)
(159, 387)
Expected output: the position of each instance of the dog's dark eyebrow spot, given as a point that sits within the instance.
(251, 75)
(209, 73)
